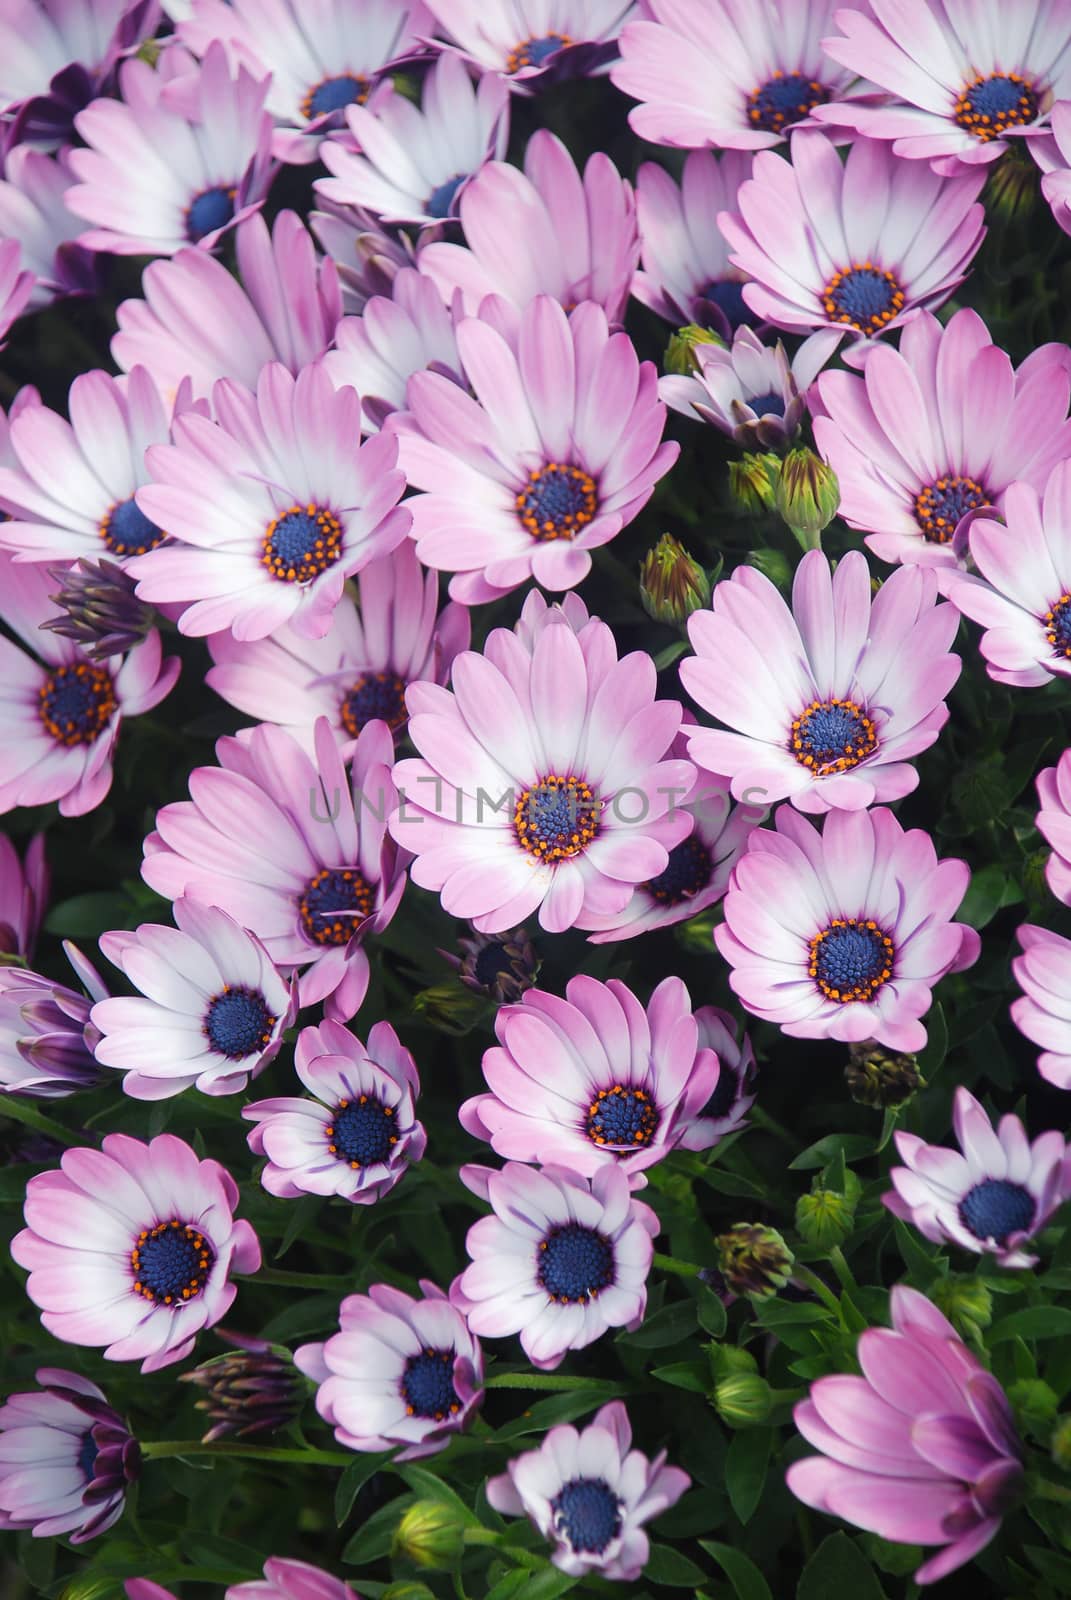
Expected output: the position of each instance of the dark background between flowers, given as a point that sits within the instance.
(213, 1522)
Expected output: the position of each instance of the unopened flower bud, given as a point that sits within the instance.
(729, 1361)
(680, 358)
(825, 1218)
(743, 1400)
(880, 1080)
(965, 1301)
(1014, 181)
(754, 1260)
(253, 1389)
(808, 495)
(1036, 1404)
(773, 565)
(672, 583)
(430, 1535)
(100, 610)
(449, 1007)
(753, 480)
(501, 966)
(1060, 1442)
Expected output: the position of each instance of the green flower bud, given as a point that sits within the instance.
(880, 1080)
(825, 1218)
(430, 1535)
(743, 1400)
(1035, 1404)
(773, 565)
(965, 1301)
(729, 1361)
(754, 1260)
(697, 934)
(808, 495)
(1060, 1442)
(449, 1007)
(1012, 191)
(679, 358)
(672, 583)
(753, 480)
(407, 1591)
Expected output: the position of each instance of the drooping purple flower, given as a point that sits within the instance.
(534, 43)
(254, 1388)
(734, 1093)
(686, 275)
(1043, 1011)
(24, 889)
(749, 390)
(47, 1040)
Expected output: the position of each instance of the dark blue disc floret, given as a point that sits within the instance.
(87, 1456)
(375, 697)
(535, 52)
(987, 106)
(362, 1132)
(851, 959)
(238, 1023)
(863, 296)
(685, 874)
(728, 295)
(1057, 622)
(768, 405)
(211, 209)
(575, 1263)
(127, 531)
(726, 1090)
(587, 1513)
(348, 89)
(939, 506)
(832, 736)
(171, 1263)
(557, 818)
(76, 702)
(557, 502)
(784, 99)
(334, 904)
(441, 197)
(622, 1116)
(302, 542)
(995, 1208)
(428, 1385)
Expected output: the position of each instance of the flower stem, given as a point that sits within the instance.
(17, 1109)
(822, 1290)
(156, 1450)
(683, 1269)
(297, 1280)
(1047, 1490)
(547, 1380)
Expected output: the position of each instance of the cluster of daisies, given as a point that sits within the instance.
(428, 372)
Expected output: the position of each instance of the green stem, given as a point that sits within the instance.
(842, 1269)
(1045, 1490)
(297, 1280)
(822, 1290)
(15, 1108)
(763, 1119)
(547, 1381)
(682, 1269)
(158, 1449)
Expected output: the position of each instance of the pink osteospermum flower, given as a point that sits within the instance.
(525, 796)
(179, 160)
(734, 1093)
(24, 887)
(47, 1040)
(411, 164)
(850, 247)
(291, 851)
(367, 258)
(211, 1009)
(66, 1459)
(922, 1449)
(533, 44)
(740, 74)
(991, 1199)
(1053, 822)
(1043, 1011)
(748, 390)
(57, 54)
(595, 1079)
(827, 700)
(561, 1260)
(197, 321)
(1023, 594)
(69, 490)
(558, 448)
(290, 1580)
(961, 80)
(360, 670)
(271, 507)
(357, 1134)
(33, 209)
(938, 429)
(16, 285)
(400, 1371)
(686, 275)
(546, 230)
(1053, 156)
(61, 711)
(407, 331)
(132, 1246)
(589, 1494)
(842, 934)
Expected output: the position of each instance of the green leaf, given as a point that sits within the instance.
(373, 1538)
(1035, 1322)
(302, 1216)
(353, 1480)
(932, 1056)
(84, 916)
(426, 1486)
(991, 890)
(745, 1469)
(523, 1585)
(672, 1325)
(839, 1567)
(555, 1409)
(668, 1566)
(853, 1145)
(917, 1257)
(711, 1313)
(747, 1581)
(693, 1375)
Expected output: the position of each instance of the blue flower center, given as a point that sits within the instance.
(535, 52)
(723, 1099)
(87, 1456)
(622, 1117)
(832, 736)
(686, 873)
(863, 296)
(362, 1132)
(768, 405)
(375, 697)
(428, 1385)
(851, 959)
(587, 1513)
(728, 295)
(784, 99)
(332, 94)
(238, 1023)
(441, 197)
(987, 106)
(127, 531)
(575, 1263)
(302, 542)
(557, 818)
(940, 506)
(491, 962)
(1057, 622)
(557, 502)
(211, 209)
(995, 1208)
(171, 1263)
(334, 904)
(76, 703)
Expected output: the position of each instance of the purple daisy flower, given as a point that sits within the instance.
(198, 322)
(1043, 1012)
(842, 934)
(132, 1246)
(321, 59)
(66, 1459)
(359, 1132)
(400, 1371)
(145, 1589)
(291, 851)
(686, 275)
(1053, 822)
(922, 1449)
(1053, 156)
(940, 428)
(561, 1260)
(33, 209)
(1023, 596)
(542, 781)
(46, 1037)
(271, 507)
(411, 164)
(740, 74)
(533, 44)
(851, 247)
(290, 1580)
(749, 390)
(360, 670)
(991, 1199)
(182, 158)
(596, 1079)
(589, 1494)
(24, 889)
(546, 230)
(57, 54)
(734, 1093)
(559, 450)
(16, 285)
(828, 700)
(211, 1011)
(367, 258)
(398, 334)
(69, 491)
(62, 711)
(961, 79)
